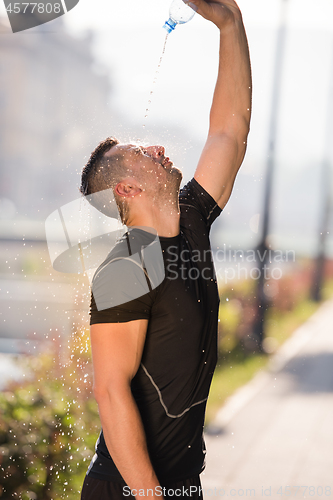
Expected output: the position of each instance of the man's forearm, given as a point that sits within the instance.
(231, 106)
(125, 438)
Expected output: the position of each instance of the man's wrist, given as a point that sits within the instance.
(234, 21)
(152, 492)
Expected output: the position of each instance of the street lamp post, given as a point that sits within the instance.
(262, 250)
(326, 197)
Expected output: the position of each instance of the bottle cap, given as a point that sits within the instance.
(170, 25)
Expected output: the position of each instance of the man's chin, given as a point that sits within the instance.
(176, 172)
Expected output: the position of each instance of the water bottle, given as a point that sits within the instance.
(179, 13)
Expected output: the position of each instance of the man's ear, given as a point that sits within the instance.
(127, 189)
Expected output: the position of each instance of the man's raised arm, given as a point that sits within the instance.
(231, 107)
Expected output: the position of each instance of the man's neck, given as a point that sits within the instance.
(166, 225)
(164, 220)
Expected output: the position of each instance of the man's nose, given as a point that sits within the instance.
(155, 151)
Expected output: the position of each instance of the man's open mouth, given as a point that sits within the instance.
(166, 162)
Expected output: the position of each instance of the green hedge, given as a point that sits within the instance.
(48, 428)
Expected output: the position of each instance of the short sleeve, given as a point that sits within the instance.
(135, 309)
(194, 195)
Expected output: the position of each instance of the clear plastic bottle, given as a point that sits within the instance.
(179, 13)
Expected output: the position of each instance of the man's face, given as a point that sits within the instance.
(150, 167)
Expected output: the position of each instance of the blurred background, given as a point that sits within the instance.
(68, 84)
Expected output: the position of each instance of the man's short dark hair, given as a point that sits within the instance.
(94, 178)
(102, 173)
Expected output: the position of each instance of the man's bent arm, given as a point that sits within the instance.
(231, 107)
(116, 351)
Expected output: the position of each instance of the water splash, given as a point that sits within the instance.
(154, 82)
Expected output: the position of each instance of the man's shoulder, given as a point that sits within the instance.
(194, 201)
(133, 268)
(188, 191)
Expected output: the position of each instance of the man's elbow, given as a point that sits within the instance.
(110, 390)
(100, 392)
(246, 126)
(242, 129)
(240, 136)
(235, 132)
(242, 142)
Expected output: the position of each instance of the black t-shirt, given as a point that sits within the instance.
(172, 383)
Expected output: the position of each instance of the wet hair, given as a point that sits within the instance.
(101, 173)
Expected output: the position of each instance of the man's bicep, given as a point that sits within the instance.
(116, 351)
(218, 166)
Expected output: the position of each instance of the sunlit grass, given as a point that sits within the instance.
(280, 325)
(327, 290)
(228, 377)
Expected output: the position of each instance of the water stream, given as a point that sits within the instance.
(154, 82)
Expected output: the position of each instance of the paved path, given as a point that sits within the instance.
(277, 431)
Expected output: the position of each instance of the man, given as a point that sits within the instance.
(154, 356)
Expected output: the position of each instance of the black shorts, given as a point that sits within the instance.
(98, 489)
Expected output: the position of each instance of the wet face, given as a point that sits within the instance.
(150, 167)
